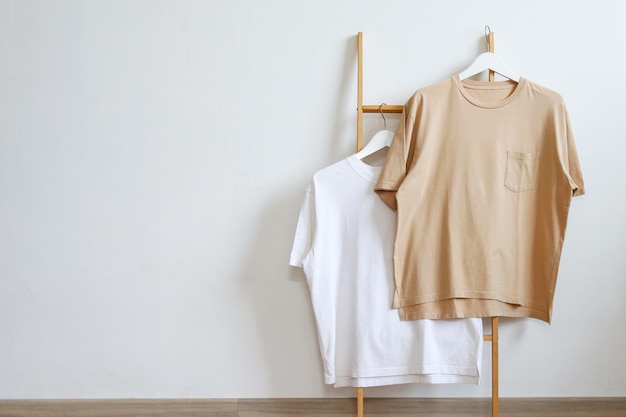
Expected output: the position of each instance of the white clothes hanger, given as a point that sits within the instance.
(380, 140)
(489, 61)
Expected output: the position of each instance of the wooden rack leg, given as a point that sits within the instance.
(494, 368)
(359, 109)
(359, 145)
(495, 410)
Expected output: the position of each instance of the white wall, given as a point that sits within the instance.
(153, 157)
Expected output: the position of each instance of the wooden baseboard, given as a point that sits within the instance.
(318, 407)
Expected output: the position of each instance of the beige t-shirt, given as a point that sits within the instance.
(482, 175)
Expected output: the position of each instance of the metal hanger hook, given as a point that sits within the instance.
(383, 115)
(487, 32)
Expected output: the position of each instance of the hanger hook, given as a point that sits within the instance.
(383, 115)
(487, 32)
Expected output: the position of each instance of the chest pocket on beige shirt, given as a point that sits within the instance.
(521, 171)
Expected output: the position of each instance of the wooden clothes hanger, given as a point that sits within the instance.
(380, 140)
(489, 61)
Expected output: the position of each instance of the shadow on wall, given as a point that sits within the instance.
(278, 299)
(276, 293)
(345, 102)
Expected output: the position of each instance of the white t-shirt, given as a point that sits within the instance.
(344, 243)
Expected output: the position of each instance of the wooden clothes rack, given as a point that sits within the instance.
(395, 108)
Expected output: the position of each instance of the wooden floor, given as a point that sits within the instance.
(331, 407)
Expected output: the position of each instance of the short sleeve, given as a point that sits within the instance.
(398, 157)
(574, 172)
(304, 230)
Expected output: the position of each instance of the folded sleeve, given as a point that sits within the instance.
(569, 158)
(398, 159)
(303, 239)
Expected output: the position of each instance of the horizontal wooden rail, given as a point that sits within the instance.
(385, 108)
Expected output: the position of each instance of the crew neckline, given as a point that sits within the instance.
(368, 172)
(464, 85)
